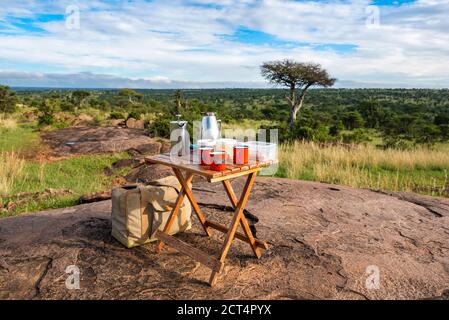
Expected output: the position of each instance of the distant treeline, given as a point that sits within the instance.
(401, 117)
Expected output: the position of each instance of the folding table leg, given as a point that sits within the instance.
(243, 220)
(175, 211)
(192, 199)
(238, 214)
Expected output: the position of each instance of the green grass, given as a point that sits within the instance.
(18, 139)
(81, 175)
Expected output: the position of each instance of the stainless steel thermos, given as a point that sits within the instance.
(179, 136)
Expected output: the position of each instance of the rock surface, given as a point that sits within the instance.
(147, 173)
(323, 240)
(92, 140)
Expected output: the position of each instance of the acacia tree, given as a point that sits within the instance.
(298, 77)
(130, 94)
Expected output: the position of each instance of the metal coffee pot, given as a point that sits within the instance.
(210, 127)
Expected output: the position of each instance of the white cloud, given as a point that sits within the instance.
(183, 40)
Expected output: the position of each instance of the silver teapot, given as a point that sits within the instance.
(210, 127)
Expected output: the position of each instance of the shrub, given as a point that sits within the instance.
(160, 127)
(48, 108)
(428, 134)
(135, 115)
(46, 119)
(355, 137)
(304, 133)
(67, 106)
(116, 115)
(336, 128)
(313, 132)
(398, 144)
(61, 124)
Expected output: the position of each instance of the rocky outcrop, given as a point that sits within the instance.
(94, 140)
(326, 242)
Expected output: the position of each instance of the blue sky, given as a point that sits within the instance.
(203, 43)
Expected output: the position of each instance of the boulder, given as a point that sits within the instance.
(325, 242)
(82, 119)
(149, 149)
(147, 173)
(135, 124)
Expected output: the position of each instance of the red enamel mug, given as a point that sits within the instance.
(241, 154)
(205, 157)
(218, 161)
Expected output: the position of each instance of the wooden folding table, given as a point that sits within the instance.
(184, 171)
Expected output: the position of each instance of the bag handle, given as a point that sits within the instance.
(157, 183)
(145, 221)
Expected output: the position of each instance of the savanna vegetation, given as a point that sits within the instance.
(389, 118)
(392, 139)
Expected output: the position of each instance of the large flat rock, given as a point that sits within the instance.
(94, 140)
(323, 240)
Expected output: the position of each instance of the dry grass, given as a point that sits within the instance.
(11, 169)
(7, 123)
(420, 170)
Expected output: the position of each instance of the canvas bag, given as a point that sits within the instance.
(138, 212)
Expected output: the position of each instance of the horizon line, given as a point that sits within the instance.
(220, 88)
